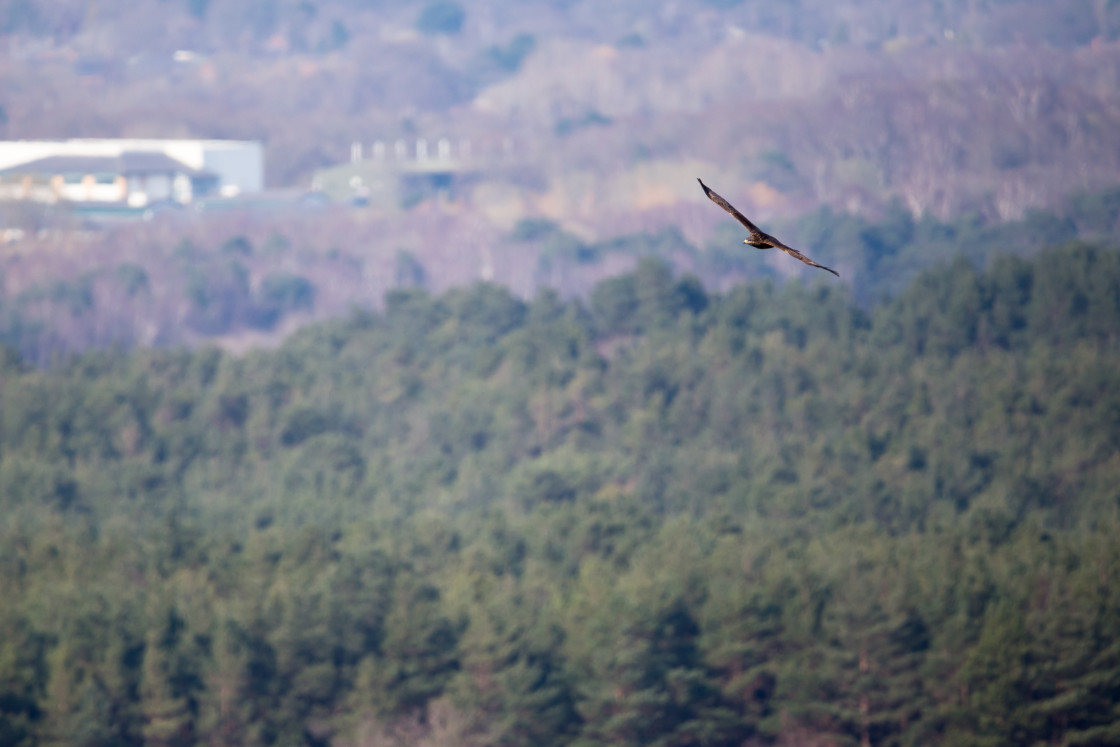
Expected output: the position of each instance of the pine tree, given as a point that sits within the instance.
(166, 716)
(652, 688)
(77, 709)
(226, 705)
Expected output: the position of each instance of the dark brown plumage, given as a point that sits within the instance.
(758, 239)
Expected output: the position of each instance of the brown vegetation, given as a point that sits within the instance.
(608, 116)
(1005, 109)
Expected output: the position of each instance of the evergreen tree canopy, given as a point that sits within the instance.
(665, 516)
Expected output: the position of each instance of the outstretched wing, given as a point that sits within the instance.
(756, 233)
(798, 255)
(727, 206)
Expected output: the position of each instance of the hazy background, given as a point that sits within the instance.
(604, 116)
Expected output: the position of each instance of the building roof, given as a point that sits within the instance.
(128, 162)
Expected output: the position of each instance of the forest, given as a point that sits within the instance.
(660, 515)
(551, 459)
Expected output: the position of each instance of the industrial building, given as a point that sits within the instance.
(128, 173)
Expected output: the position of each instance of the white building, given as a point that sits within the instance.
(128, 172)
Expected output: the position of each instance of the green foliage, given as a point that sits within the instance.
(1097, 211)
(408, 270)
(591, 118)
(133, 278)
(510, 57)
(339, 36)
(237, 246)
(615, 303)
(670, 516)
(22, 15)
(75, 297)
(198, 8)
(441, 17)
(279, 294)
(777, 169)
(533, 229)
(216, 294)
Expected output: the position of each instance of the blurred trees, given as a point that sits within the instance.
(440, 17)
(951, 106)
(668, 516)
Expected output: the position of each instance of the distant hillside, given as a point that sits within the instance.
(326, 25)
(998, 107)
(243, 281)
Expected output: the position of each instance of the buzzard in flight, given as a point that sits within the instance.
(758, 239)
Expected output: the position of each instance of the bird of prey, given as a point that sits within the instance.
(758, 239)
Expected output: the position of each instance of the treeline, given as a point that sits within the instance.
(661, 517)
(182, 283)
(123, 296)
